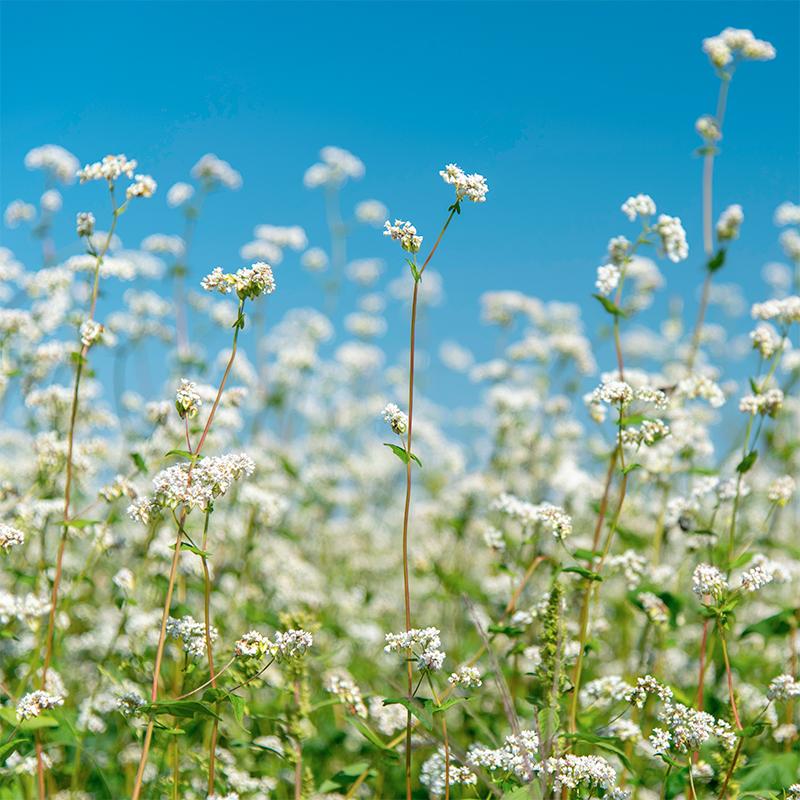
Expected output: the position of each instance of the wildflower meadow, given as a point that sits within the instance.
(246, 555)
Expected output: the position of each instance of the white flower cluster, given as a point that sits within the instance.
(736, 43)
(247, 282)
(603, 692)
(787, 214)
(673, 237)
(701, 386)
(348, 691)
(767, 403)
(708, 127)
(395, 418)
(143, 186)
(648, 433)
(762, 571)
(84, 223)
(335, 167)
(708, 580)
(466, 676)
(179, 193)
(109, 169)
(434, 774)
(187, 399)
(473, 186)
(425, 643)
(729, 223)
(640, 205)
(766, 340)
(688, 729)
(192, 633)
(619, 393)
(571, 772)
(405, 233)
(780, 491)
(645, 687)
(785, 310)
(783, 687)
(607, 279)
(91, 331)
(554, 518)
(18, 211)
(52, 158)
(128, 703)
(194, 487)
(289, 644)
(34, 703)
(213, 172)
(10, 537)
(517, 755)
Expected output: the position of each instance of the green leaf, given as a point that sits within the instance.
(586, 555)
(139, 462)
(180, 454)
(746, 464)
(630, 468)
(587, 573)
(777, 625)
(237, 703)
(192, 549)
(82, 523)
(371, 736)
(402, 453)
(9, 747)
(418, 709)
(609, 306)
(716, 261)
(44, 721)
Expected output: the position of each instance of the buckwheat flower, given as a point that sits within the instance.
(708, 127)
(516, 755)
(371, 212)
(780, 491)
(756, 578)
(143, 510)
(766, 340)
(436, 774)
(143, 186)
(387, 718)
(55, 160)
(424, 642)
(783, 687)
(767, 404)
(613, 393)
(215, 172)
(84, 223)
(790, 242)
(91, 332)
(783, 311)
(473, 187)
(701, 386)
(607, 279)
(123, 579)
(314, 259)
(466, 676)
(129, 703)
(405, 233)
(571, 772)
(347, 690)
(252, 645)
(18, 211)
(604, 692)
(109, 169)
(645, 687)
(187, 399)
(51, 201)
(660, 741)
(395, 418)
(708, 580)
(179, 193)
(291, 644)
(655, 608)
(191, 633)
(640, 205)
(10, 537)
(793, 791)
(787, 214)
(34, 703)
(673, 238)
(729, 223)
(248, 282)
(336, 167)
(119, 487)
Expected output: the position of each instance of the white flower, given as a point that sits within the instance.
(52, 158)
(405, 233)
(371, 212)
(640, 205)
(780, 491)
(395, 418)
(466, 676)
(84, 223)
(673, 237)
(424, 642)
(187, 399)
(473, 187)
(179, 193)
(783, 688)
(708, 127)
(109, 169)
(607, 279)
(708, 580)
(143, 186)
(214, 172)
(18, 211)
(34, 703)
(787, 214)
(10, 537)
(735, 43)
(91, 331)
(729, 223)
(248, 282)
(767, 403)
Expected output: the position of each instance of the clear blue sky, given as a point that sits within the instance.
(566, 107)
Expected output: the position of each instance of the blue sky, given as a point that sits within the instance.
(566, 107)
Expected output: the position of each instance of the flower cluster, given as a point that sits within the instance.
(425, 643)
(468, 677)
(285, 645)
(472, 187)
(187, 399)
(248, 282)
(10, 536)
(109, 169)
(191, 633)
(395, 418)
(34, 703)
(405, 233)
(735, 43)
